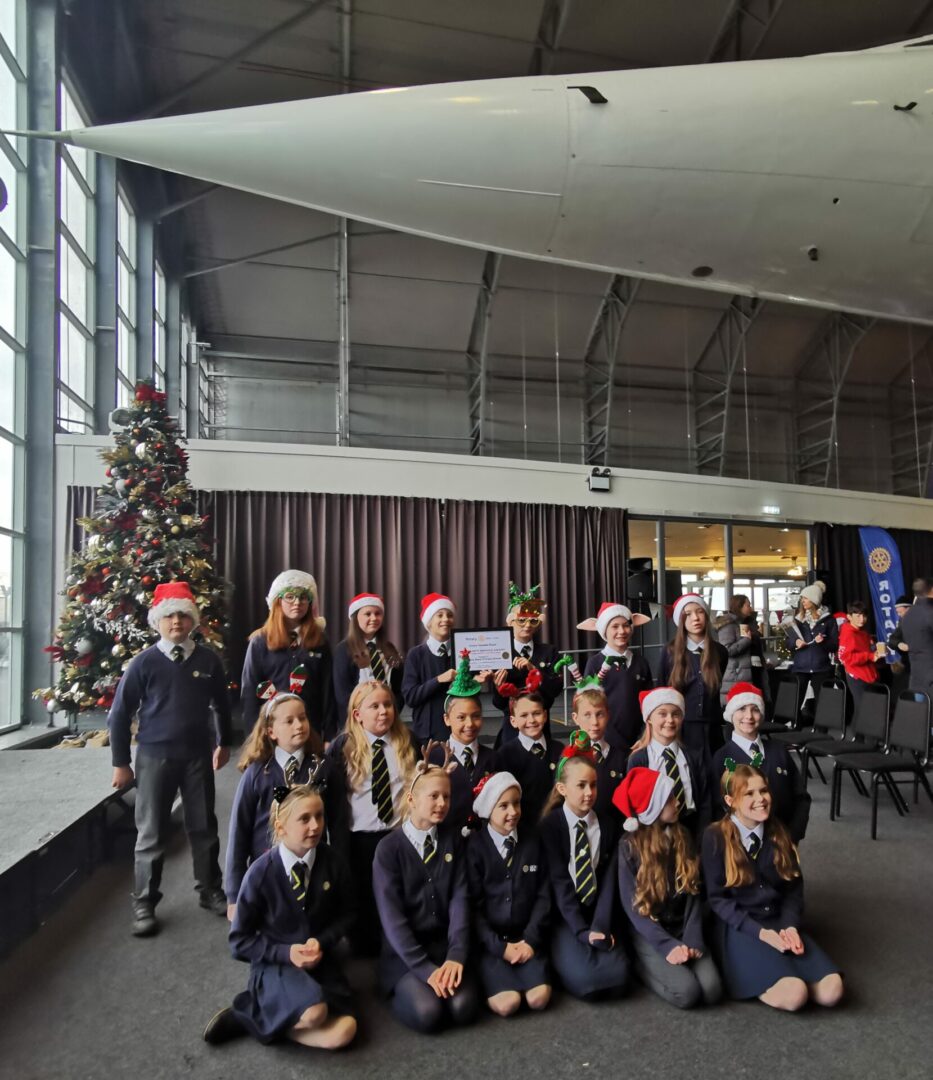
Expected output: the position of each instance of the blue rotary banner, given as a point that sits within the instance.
(885, 578)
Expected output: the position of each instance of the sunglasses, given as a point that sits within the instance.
(534, 621)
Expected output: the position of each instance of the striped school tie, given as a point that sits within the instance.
(538, 751)
(754, 846)
(291, 771)
(382, 787)
(428, 851)
(670, 767)
(299, 879)
(376, 664)
(583, 866)
(508, 850)
(178, 654)
(468, 759)
(754, 749)
(598, 753)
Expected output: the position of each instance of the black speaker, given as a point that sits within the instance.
(644, 585)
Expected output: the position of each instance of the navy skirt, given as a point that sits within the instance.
(499, 976)
(584, 970)
(750, 967)
(278, 994)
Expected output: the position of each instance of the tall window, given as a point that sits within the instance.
(158, 327)
(75, 274)
(12, 359)
(126, 297)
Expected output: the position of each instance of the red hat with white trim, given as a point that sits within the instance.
(649, 700)
(171, 598)
(607, 612)
(642, 796)
(432, 604)
(841, 617)
(364, 599)
(490, 789)
(688, 598)
(743, 693)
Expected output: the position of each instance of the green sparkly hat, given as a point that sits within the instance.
(464, 684)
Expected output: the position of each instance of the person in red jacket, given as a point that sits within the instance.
(857, 650)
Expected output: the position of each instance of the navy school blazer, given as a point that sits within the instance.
(790, 800)
(622, 686)
(424, 693)
(609, 774)
(536, 775)
(544, 657)
(699, 783)
(463, 782)
(347, 678)
(650, 929)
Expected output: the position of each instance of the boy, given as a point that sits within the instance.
(857, 652)
(172, 685)
(430, 669)
(532, 757)
(591, 714)
(625, 673)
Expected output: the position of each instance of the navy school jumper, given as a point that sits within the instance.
(622, 686)
(424, 693)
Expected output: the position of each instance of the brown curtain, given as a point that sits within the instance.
(80, 504)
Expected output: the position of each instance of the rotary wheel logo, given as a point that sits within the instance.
(880, 560)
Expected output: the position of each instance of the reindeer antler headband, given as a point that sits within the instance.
(425, 766)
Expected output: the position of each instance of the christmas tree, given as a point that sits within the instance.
(145, 530)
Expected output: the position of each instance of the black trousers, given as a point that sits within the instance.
(158, 780)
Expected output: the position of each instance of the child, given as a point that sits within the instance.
(294, 906)
(172, 685)
(372, 764)
(525, 617)
(753, 881)
(429, 669)
(693, 663)
(419, 876)
(531, 757)
(745, 709)
(283, 749)
(659, 883)
(366, 652)
(510, 899)
(857, 652)
(290, 651)
(580, 850)
(623, 673)
(660, 748)
(591, 714)
(463, 716)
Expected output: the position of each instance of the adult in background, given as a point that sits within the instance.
(917, 629)
(290, 653)
(899, 668)
(365, 653)
(812, 637)
(738, 633)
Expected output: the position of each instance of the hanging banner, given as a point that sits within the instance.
(885, 578)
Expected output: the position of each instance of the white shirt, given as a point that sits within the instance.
(165, 646)
(610, 652)
(289, 858)
(529, 743)
(517, 646)
(694, 646)
(458, 748)
(604, 747)
(745, 834)
(656, 762)
(417, 836)
(499, 840)
(282, 756)
(435, 646)
(363, 814)
(592, 834)
(746, 744)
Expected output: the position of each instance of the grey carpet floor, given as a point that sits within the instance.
(83, 999)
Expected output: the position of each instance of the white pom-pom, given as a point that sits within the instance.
(141, 450)
(83, 646)
(631, 824)
(465, 831)
(53, 705)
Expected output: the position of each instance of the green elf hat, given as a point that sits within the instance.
(464, 684)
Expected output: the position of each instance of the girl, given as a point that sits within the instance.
(283, 749)
(659, 883)
(366, 652)
(429, 669)
(532, 757)
(372, 763)
(660, 748)
(590, 713)
(293, 908)
(753, 881)
(857, 651)
(745, 709)
(419, 876)
(738, 633)
(812, 637)
(509, 897)
(693, 663)
(580, 851)
(291, 652)
(623, 673)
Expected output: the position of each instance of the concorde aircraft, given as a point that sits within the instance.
(807, 179)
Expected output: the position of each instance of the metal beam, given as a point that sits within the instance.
(476, 354)
(105, 297)
(342, 252)
(551, 25)
(817, 420)
(744, 27)
(911, 421)
(599, 365)
(713, 376)
(181, 204)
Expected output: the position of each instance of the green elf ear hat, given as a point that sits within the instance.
(464, 684)
(579, 745)
(526, 605)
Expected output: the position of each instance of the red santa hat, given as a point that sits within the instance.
(364, 599)
(432, 604)
(743, 693)
(649, 700)
(841, 617)
(688, 598)
(642, 796)
(171, 598)
(490, 790)
(607, 612)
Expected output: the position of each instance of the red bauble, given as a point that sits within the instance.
(140, 551)
(105, 571)
(107, 472)
(147, 579)
(156, 541)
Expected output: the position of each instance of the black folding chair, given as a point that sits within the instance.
(829, 721)
(786, 714)
(868, 732)
(908, 752)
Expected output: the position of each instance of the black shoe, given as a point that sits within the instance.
(222, 1027)
(214, 900)
(145, 924)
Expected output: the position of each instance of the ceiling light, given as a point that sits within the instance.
(785, 529)
(715, 575)
(796, 571)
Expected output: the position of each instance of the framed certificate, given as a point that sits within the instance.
(490, 648)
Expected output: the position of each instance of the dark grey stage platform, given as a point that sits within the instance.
(58, 820)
